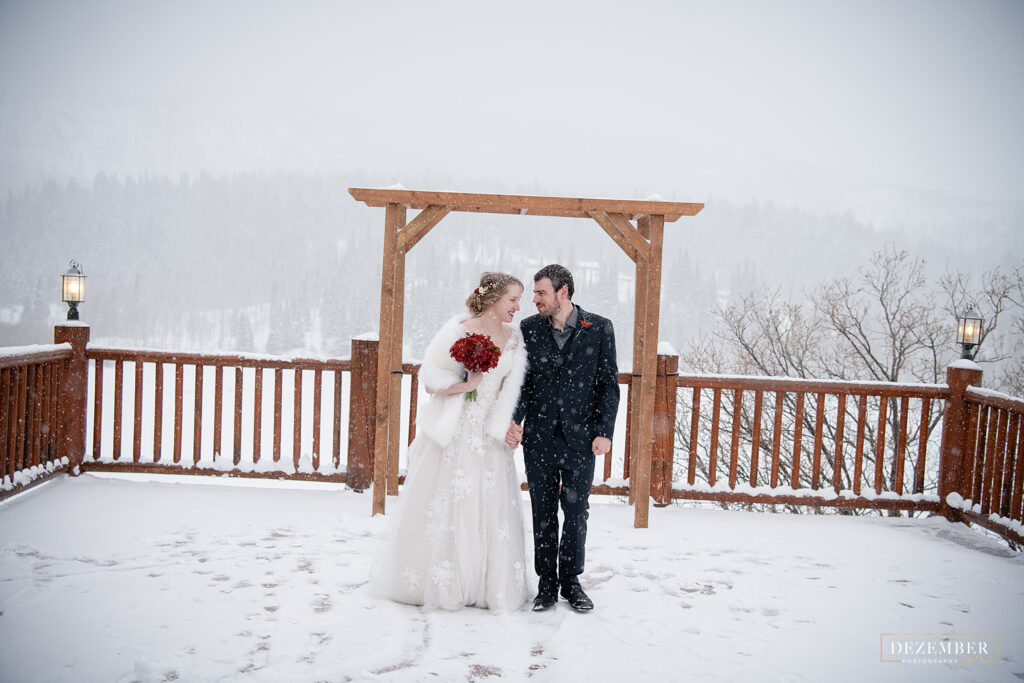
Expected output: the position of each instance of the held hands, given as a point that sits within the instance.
(514, 435)
(601, 445)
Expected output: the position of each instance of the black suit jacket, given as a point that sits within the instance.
(576, 387)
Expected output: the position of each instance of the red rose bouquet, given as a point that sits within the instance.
(477, 353)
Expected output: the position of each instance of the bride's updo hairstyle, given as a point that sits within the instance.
(491, 288)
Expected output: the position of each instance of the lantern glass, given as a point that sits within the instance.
(73, 289)
(968, 329)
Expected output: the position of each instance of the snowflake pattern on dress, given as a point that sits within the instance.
(461, 484)
(441, 575)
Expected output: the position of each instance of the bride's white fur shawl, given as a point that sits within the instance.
(439, 418)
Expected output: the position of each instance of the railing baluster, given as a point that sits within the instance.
(118, 406)
(414, 404)
(318, 378)
(1011, 481)
(218, 410)
(996, 492)
(6, 424)
(901, 444)
(734, 446)
(755, 444)
(628, 459)
(716, 410)
(1017, 505)
(137, 421)
(197, 415)
(42, 425)
(883, 409)
(5, 418)
(297, 420)
(19, 450)
(980, 445)
(36, 409)
(97, 410)
(336, 445)
(58, 382)
(798, 436)
(179, 399)
(694, 427)
(777, 438)
(819, 420)
(837, 458)
(990, 456)
(257, 415)
(236, 437)
(862, 419)
(277, 414)
(158, 410)
(922, 445)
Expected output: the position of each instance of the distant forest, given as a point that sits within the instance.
(290, 264)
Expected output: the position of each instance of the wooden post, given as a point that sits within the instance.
(955, 431)
(362, 403)
(664, 430)
(74, 394)
(394, 221)
(652, 228)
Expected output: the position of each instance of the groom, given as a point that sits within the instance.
(569, 398)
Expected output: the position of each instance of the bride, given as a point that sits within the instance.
(458, 539)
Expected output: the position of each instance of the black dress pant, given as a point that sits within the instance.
(558, 473)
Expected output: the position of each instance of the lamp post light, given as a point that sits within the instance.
(73, 288)
(968, 332)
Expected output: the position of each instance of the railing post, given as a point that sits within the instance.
(361, 414)
(664, 429)
(955, 431)
(74, 394)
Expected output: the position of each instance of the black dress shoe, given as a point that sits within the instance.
(547, 595)
(577, 599)
(545, 600)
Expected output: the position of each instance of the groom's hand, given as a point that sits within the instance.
(601, 445)
(514, 435)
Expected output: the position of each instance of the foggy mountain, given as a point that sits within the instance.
(290, 264)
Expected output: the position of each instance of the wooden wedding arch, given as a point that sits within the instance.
(642, 242)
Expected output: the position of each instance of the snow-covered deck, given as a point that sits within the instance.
(159, 579)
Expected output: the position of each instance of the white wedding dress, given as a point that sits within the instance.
(459, 537)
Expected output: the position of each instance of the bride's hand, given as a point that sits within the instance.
(473, 380)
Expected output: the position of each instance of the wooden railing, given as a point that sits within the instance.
(194, 432)
(807, 442)
(991, 490)
(729, 439)
(31, 379)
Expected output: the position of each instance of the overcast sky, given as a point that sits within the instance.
(684, 99)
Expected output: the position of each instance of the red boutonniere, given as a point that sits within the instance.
(584, 327)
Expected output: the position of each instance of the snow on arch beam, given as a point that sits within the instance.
(525, 204)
